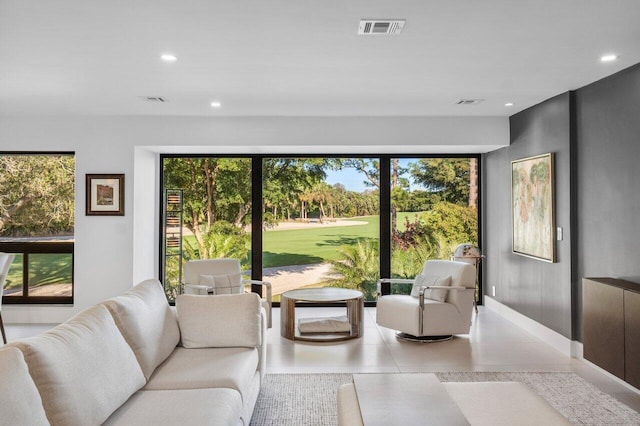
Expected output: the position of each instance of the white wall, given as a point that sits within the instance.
(112, 253)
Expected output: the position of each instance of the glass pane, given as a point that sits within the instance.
(50, 274)
(214, 217)
(434, 209)
(38, 197)
(13, 283)
(321, 223)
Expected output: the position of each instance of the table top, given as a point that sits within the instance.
(322, 294)
(406, 399)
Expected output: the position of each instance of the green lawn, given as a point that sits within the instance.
(317, 244)
(50, 268)
(313, 245)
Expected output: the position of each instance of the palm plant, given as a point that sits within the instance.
(358, 267)
(220, 240)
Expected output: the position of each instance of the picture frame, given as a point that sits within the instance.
(105, 194)
(533, 207)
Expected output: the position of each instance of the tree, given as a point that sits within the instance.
(456, 224)
(37, 194)
(369, 168)
(288, 181)
(448, 177)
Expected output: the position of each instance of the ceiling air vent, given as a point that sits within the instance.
(155, 99)
(380, 26)
(468, 101)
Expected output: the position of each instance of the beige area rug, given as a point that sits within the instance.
(310, 399)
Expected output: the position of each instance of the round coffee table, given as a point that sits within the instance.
(354, 300)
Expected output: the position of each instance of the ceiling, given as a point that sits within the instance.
(303, 57)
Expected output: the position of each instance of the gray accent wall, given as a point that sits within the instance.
(595, 135)
(608, 180)
(537, 289)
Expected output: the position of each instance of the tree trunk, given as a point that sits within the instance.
(208, 182)
(197, 233)
(394, 174)
(242, 212)
(394, 184)
(321, 211)
(473, 182)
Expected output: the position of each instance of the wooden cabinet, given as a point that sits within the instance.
(632, 337)
(611, 326)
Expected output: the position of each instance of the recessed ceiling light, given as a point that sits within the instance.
(509, 104)
(608, 58)
(216, 104)
(167, 57)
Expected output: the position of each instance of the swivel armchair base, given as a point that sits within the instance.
(422, 339)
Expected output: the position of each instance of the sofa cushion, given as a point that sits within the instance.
(213, 407)
(147, 323)
(83, 369)
(232, 368)
(20, 402)
(437, 294)
(219, 321)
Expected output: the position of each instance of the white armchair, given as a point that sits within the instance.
(5, 262)
(440, 306)
(221, 276)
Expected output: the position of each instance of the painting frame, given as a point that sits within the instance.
(533, 207)
(104, 194)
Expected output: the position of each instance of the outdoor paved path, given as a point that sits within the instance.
(284, 278)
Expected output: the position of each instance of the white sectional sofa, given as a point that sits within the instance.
(132, 361)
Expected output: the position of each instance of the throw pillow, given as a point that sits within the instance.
(219, 321)
(228, 284)
(437, 294)
(209, 281)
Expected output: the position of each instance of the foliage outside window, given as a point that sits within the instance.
(37, 206)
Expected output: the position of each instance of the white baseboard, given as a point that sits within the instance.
(553, 338)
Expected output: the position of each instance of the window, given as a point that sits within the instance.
(207, 207)
(37, 205)
(321, 221)
(434, 208)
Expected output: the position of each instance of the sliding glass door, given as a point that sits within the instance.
(321, 223)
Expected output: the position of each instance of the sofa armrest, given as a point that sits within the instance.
(268, 297)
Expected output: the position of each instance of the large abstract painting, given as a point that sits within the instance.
(532, 204)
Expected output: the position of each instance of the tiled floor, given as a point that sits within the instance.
(495, 344)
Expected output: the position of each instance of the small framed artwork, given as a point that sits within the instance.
(105, 195)
(532, 207)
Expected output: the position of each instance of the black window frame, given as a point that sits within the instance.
(385, 206)
(26, 248)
